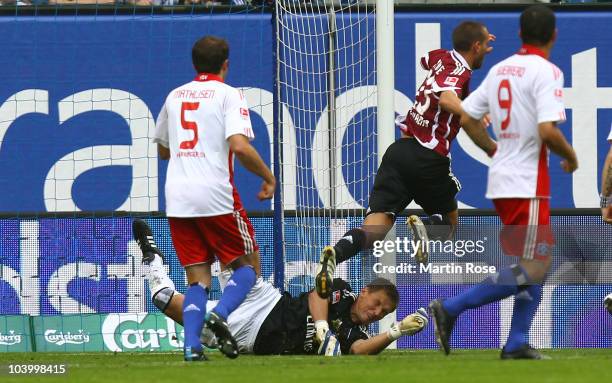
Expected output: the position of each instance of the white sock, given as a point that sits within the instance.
(157, 260)
(157, 277)
(224, 276)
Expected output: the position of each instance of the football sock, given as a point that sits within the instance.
(162, 298)
(237, 288)
(499, 286)
(438, 226)
(157, 277)
(526, 304)
(194, 309)
(350, 244)
(224, 277)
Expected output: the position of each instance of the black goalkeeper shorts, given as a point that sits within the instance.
(410, 172)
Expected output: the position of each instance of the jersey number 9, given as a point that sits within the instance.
(505, 101)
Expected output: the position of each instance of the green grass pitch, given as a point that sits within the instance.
(473, 366)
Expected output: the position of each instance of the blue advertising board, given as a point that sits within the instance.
(63, 99)
(65, 266)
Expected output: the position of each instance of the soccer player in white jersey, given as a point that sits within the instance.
(606, 185)
(524, 96)
(203, 124)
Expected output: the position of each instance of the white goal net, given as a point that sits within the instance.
(326, 81)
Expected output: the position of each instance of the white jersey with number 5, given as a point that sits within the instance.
(519, 93)
(194, 123)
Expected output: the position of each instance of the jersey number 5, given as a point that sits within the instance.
(505, 101)
(189, 125)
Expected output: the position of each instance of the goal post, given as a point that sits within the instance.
(385, 118)
(335, 79)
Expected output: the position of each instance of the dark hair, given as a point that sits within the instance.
(209, 53)
(466, 34)
(385, 285)
(537, 25)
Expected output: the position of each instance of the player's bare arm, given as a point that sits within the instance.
(475, 131)
(555, 140)
(410, 325)
(450, 102)
(319, 310)
(163, 152)
(372, 346)
(250, 159)
(606, 188)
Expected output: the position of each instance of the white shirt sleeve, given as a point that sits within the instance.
(476, 105)
(161, 128)
(549, 95)
(237, 118)
(610, 136)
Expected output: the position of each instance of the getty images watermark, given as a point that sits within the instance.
(458, 248)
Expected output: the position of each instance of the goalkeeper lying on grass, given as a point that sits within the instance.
(268, 322)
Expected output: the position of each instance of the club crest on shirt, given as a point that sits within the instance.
(451, 81)
(244, 113)
(335, 298)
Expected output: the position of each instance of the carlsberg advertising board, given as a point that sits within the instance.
(15, 333)
(94, 332)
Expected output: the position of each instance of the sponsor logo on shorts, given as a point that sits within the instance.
(543, 249)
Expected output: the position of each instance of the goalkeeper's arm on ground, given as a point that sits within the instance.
(326, 340)
(410, 325)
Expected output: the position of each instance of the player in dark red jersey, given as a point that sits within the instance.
(417, 166)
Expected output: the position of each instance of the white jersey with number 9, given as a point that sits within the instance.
(520, 92)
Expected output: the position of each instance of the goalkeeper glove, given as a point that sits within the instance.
(412, 324)
(321, 327)
(330, 345)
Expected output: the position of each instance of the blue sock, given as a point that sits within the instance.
(194, 309)
(495, 288)
(525, 306)
(237, 288)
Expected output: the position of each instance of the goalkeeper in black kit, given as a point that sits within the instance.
(268, 322)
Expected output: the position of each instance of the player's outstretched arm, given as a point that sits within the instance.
(555, 140)
(372, 346)
(250, 159)
(478, 134)
(410, 325)
(606, 188)
(450, 102)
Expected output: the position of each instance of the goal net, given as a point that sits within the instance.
(326, 76)
(77, 163)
